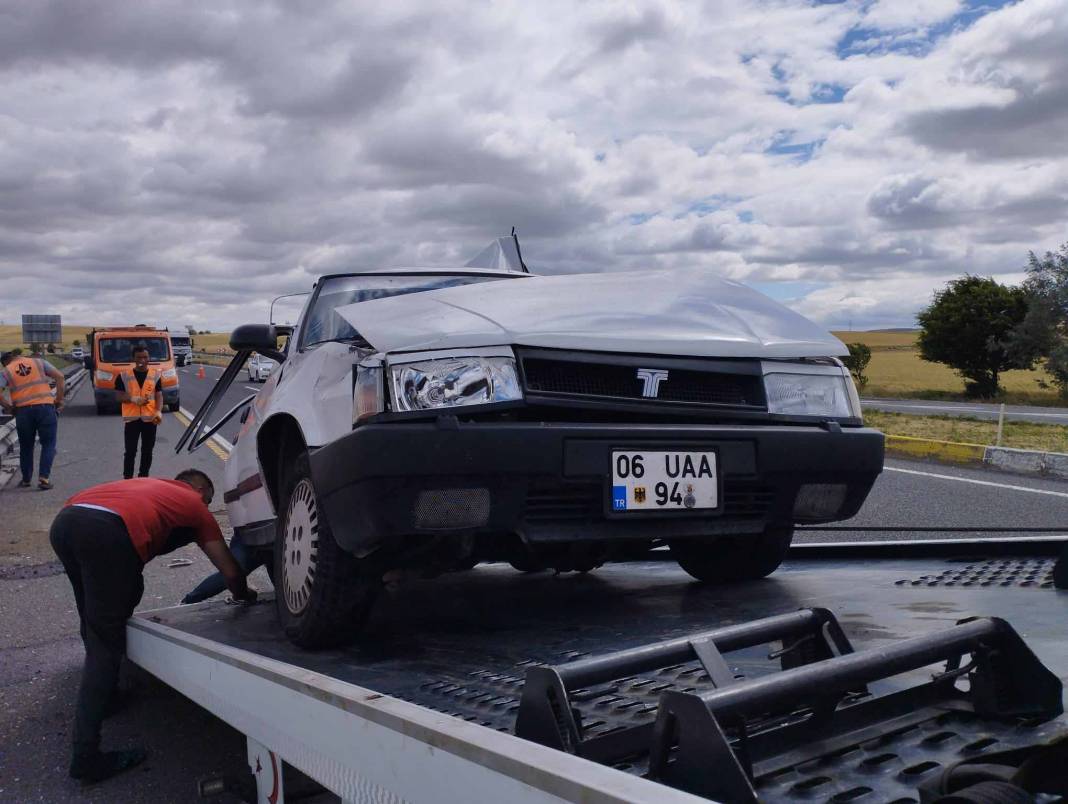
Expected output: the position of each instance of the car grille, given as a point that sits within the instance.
(577, 378)
(548, 501)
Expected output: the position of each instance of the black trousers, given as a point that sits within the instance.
(146, 431)
(105, 571)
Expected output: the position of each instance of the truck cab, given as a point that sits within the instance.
(110, 353)
(182, 348)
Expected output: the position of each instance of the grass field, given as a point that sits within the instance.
(1020, 435)
(896, 370)
(11, 336)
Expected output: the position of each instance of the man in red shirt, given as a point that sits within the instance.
(104, 537)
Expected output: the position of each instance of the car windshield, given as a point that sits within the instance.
(323, 322)
(119, 350)
(179, 341)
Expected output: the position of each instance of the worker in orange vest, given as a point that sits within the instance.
(142, 402)
(24, 381)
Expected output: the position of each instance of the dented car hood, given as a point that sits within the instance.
(665, 312)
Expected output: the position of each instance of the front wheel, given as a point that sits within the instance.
(323, 594)
(735, 558)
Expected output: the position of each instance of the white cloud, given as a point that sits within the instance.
(160, 156)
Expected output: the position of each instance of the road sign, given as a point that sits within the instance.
(41, 329)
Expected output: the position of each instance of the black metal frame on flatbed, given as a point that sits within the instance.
(842, 675)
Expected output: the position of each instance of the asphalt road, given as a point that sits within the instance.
(41, 652)
(973, 410)
(194, 391)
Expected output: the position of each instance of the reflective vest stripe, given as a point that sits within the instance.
(147, 411)
(28, 383)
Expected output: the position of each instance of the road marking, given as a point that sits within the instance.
(249, 388)
(216, 443)
(1008, 486)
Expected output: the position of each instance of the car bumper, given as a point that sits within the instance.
(550, 482)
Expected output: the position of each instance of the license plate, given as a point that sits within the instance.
(664, 481)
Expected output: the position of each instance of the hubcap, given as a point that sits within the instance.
(300, 545)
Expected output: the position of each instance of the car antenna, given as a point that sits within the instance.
(519, 253)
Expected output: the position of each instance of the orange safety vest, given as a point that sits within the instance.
(147, 411)
(27, 382)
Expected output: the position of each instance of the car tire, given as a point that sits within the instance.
(524, 559)
(323, 594)
(741, 558)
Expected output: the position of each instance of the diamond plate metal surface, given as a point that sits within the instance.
(995, 573)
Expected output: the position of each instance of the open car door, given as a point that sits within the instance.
(199, 430)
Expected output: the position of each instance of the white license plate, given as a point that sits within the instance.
(664, 481)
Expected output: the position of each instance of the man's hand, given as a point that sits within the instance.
(59, 405)
(137, 400)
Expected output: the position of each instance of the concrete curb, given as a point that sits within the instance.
(1025, 461)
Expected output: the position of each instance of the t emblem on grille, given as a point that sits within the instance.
(651, 379)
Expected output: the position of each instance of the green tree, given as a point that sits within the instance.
(76, 342)
(968, 326)
(859, 357)
(1044, 331)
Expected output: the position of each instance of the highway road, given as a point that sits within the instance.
(973, 410)
(909, 494)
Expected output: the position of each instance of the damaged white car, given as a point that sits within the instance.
(428, 420)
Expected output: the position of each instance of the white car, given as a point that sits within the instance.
(423, 420)
(259, 368)
(77, 353)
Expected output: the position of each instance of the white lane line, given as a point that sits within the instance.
(218, 439)
(978, 482)
(250, 388)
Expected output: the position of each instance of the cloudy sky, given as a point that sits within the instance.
(180, 162)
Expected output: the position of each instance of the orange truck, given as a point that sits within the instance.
(110, 352)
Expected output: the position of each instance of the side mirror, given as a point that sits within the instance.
(262, 338)
(89, 363)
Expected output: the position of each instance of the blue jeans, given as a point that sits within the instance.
(246, 558)
(33, 422)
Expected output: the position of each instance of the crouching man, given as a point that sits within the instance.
(104, 537)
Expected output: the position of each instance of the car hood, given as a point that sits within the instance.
(670, 312)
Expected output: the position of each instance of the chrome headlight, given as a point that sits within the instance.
(451, 382)
(104, 375)
(811, 394)
(169, 374)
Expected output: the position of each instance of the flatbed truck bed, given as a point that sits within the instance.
(424, 707)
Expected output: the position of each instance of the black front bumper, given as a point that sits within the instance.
(549, 482)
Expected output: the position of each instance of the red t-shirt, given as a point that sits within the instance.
(152, 510)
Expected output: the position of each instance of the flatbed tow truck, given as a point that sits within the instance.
(857, 672)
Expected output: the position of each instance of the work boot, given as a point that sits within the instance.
(102, 765)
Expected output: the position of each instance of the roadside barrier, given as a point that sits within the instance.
(1025, 461)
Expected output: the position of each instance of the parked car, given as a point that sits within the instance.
(77, 353)
(259, 368)
(424, 420)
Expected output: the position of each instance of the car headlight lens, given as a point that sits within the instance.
(454, 382)
(809, 395)
(106, 376)
(170, 374)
